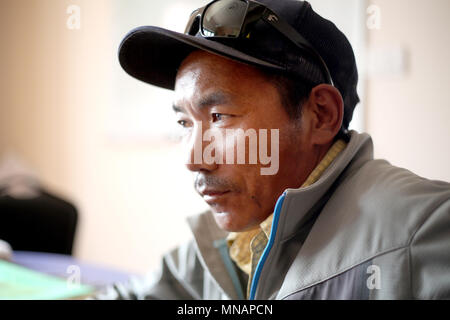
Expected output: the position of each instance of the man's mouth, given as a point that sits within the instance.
(212, 195)
(214, 190)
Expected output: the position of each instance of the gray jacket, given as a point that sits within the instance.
(364, 230)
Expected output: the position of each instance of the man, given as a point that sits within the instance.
(324, 220)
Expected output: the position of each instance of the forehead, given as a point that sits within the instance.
(202, 71)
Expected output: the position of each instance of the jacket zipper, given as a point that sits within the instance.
(262, 260)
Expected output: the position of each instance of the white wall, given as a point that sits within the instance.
(408, 112)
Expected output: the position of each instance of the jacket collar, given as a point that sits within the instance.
(304, 199)
(206, 233)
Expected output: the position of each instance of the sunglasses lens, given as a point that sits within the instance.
(224, 18)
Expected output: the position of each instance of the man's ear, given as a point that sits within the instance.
(326, 113)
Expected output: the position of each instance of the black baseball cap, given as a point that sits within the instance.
(153, 55)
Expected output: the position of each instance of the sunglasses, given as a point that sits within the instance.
(235, 18)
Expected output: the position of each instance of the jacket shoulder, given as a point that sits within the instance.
(373, 216)
(393, 198)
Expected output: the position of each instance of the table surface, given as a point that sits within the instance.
(62, 266)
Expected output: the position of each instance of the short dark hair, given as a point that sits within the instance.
(295, 92)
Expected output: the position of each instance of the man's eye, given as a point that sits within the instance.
(182, 123)
(217, 117)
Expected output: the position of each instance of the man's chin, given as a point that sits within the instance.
(223, 220)
(226, 221)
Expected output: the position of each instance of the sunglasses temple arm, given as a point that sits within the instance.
(194, 16)
(270, 17)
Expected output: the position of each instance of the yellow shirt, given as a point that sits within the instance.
(247, 247)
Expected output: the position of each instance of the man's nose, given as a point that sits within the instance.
(195, 151)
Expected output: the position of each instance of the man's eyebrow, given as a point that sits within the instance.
(177, 108)
(215, 98)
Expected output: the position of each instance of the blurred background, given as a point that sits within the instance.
(77, 125)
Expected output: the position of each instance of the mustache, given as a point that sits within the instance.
(213, 182)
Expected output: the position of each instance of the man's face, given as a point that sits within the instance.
(217, 94)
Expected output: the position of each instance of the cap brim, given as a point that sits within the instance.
(153, 55)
